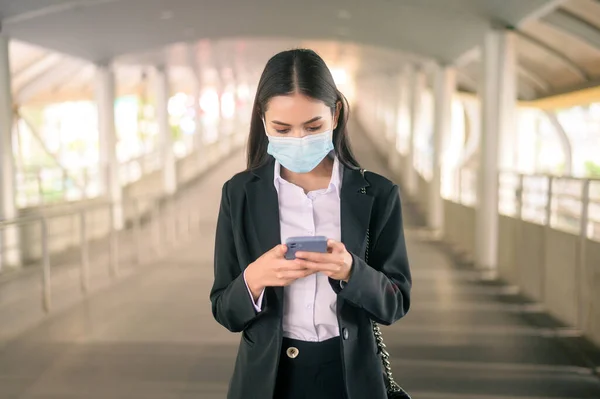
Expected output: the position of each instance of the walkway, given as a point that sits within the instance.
(152, 334)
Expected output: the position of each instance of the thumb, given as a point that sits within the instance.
(336, 247)
(279, 250)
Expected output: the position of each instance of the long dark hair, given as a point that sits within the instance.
(301, 71)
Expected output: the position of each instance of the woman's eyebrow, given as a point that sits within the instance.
(312, 120)
(280, 123)
(316, 118)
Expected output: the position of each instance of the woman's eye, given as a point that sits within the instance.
(284, 131)
(314, 128)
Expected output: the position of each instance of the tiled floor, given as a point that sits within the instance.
(152, 334)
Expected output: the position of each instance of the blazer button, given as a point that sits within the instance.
(345, 333)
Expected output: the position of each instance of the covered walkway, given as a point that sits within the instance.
(121, 119)
(152, 335)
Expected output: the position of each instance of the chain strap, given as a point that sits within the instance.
(384, 354)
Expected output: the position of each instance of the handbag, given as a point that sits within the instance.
(394, 391)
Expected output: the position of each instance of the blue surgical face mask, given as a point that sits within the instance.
(300, 155)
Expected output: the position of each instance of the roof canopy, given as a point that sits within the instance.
(558, 41)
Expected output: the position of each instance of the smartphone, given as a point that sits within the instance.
(306, 244)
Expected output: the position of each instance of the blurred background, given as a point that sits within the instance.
(121, 119)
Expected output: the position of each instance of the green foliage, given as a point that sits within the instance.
(176, 132)
(592, 169)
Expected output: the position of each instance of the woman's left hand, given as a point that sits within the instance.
(337, 263)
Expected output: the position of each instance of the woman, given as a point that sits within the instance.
(306, 323)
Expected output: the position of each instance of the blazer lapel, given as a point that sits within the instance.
(263, 206)
(355, 211)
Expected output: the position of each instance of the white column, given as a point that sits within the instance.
(9, 238)
(234, 122)
(417, 86)
(109, 163)
(167, 156)
(498, 98)
(507, 112)
(394, 92)
(223, 134)
(444, 87)
(199, 146)
(197, 87)
(196, 93)
(242, 112)
(390, 106)
(379, 132)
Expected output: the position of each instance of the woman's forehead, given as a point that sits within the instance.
(295, 109)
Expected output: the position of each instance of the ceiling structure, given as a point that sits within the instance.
(57, 42)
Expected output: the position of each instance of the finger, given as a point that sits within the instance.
(294, 274)
(321, 267)
(317, 256)
(289, 265)
(336, 246)
(289, 281)
(279, 250)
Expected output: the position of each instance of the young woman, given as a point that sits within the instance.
(306, 323)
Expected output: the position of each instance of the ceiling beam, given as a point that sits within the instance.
(472, 54)
(591, 85)
(53, 9)
(23, 76)
(76, 75)
(541, 12)
(62, 70)
(563, 137)
(468, 57)
(533, 78)
(574, 26)
(467, 80)
(568, 62)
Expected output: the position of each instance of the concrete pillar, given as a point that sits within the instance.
(379, 92)
(225, 139)
(196, 93)
(498, 103)
(444, 87)
(197, 87)
(390, 95)
(242, 110)
(9, 238)
(394, 93)
(167, 156)
(417, 86)
(109, 164)
(199, 144)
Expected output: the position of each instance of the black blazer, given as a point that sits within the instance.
(248, 226)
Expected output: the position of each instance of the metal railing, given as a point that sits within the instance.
(466, 190)
(132, 170)
(163, 221)
(152, 226)
(568, 204)
(46, 185)
(42, 185)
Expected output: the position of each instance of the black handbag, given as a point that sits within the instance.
(394, 391)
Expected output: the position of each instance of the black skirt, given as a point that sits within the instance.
(310, 370)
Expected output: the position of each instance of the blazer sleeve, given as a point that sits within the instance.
(383, 291)
(231, 304)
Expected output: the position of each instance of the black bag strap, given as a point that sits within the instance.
(392, 386)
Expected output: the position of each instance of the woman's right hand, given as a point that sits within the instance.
(273, 270)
